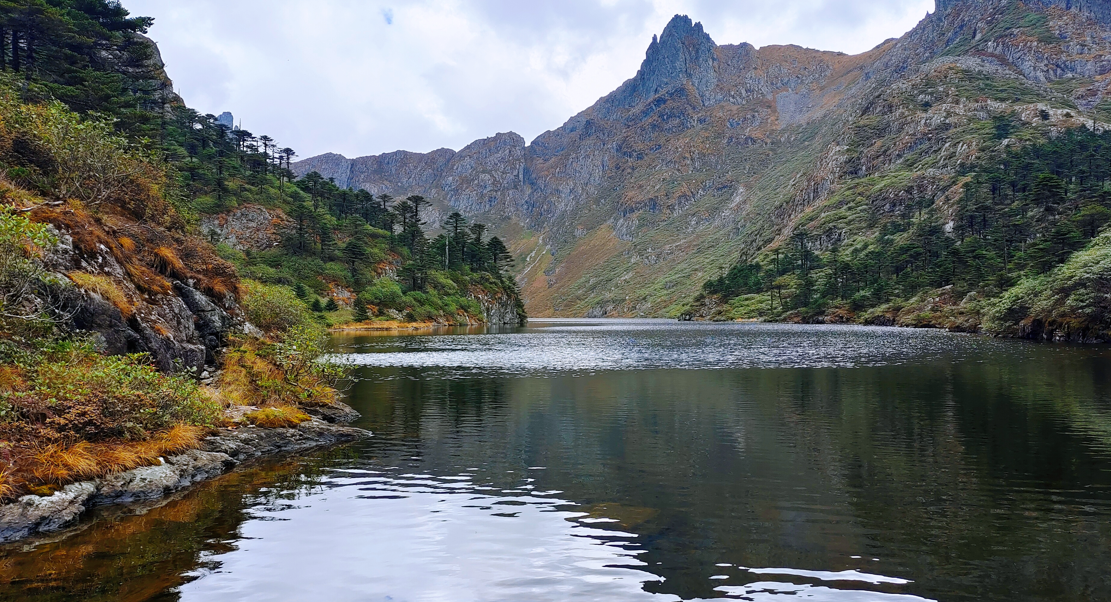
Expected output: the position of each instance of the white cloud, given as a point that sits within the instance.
(369, 76)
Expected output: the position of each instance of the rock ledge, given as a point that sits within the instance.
(33, 515)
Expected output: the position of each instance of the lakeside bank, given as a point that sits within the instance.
(224, 450)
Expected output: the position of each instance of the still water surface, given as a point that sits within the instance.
(640, 460)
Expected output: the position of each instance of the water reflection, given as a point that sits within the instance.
(652, 461)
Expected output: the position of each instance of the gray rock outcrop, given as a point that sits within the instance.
(246, 228)
(33, 515)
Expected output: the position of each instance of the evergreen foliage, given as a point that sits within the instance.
(91, 56)
(1023, 213)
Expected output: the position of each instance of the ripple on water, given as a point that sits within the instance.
(421, 537)
(665, 345)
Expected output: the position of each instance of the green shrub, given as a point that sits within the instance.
(1078, 292)
(384, 294)
(94, 398)
(20, 274)
(273, 308)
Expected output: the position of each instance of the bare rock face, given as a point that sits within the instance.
(249, 443)
(684, 52)
(155, 482)
(250, 227)
(500, 309)
(713, 151)
(1097, 9)
(181, 330)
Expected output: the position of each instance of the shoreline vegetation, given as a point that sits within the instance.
(137, 346)
(1019, 248)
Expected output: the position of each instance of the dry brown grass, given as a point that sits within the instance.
(45, 469)
(12, 378)
(167, 262)
(106, 288)
(179, 439)
(7, 489)
(57, 464)
(249, 378)
(147, 280)
(279, 417)
(120, 458)
(148, 252)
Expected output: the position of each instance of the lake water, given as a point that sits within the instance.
(655, 461)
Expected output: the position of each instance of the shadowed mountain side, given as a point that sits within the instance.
(711, 153)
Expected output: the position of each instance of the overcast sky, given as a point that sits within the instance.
(362, 77)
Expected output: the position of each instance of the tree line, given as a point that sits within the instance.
(366, 220)
(92, 56)
(1023, 212)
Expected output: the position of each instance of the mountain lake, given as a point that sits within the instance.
(648, 460)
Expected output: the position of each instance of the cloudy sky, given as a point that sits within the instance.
(362, 77)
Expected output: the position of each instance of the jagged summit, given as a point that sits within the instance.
(683, 52)
(710, 151)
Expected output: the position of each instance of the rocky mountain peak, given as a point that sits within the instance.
(1100, 10)
(684, 52)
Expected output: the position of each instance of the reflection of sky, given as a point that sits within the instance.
(573, 346)
(376, 537)
(373, 536)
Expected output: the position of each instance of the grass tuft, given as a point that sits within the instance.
(7, 488)
(167, 262)
(106, 288)
(58, 463)
(278, 417)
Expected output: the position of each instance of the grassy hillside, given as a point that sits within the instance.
(902, 246)
(967, 185)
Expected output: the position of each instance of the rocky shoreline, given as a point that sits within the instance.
(228, 449)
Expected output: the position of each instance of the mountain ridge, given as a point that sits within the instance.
(711, 152)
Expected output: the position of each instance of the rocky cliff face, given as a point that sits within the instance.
(140, 289)
(499, 309)
(250, 227)
(712, 152)
(1097, 9)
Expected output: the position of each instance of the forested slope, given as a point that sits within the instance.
(127, 329)
(714, 157)
(971, 194)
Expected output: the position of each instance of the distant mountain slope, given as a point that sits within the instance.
(711, 153)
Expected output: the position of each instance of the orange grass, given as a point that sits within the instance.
(7, 488)
(58, 464)
(278, 417)
(12, 378)
(121, 458)
(179, 439)
(167, 262)
(106, 288)
(46, 469)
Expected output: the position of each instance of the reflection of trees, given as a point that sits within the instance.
(942, 470)
(140, 557)
(411, 414)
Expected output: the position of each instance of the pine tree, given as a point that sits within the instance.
(331, 305)
(361, 313)
(317, 306)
